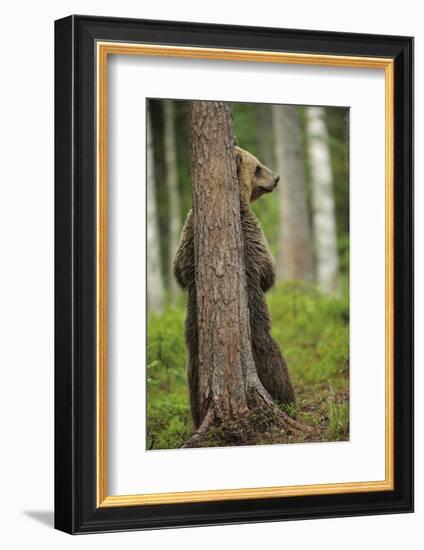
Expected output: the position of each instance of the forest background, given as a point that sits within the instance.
(306, 223)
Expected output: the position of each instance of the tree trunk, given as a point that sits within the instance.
(228, 385)
(171, 172)
(154, 272)
(295, 260)
(222, 313)
(323, 209)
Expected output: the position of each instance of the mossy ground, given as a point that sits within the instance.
(313, 332)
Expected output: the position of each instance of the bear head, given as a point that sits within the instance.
(255, 179)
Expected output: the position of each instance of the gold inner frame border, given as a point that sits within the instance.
(103, 50)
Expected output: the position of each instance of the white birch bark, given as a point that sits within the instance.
(294, 260)
(323, 208)
(154, 273)
(171, 172)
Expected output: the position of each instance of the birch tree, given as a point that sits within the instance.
(229, 387)
(155, 290)
(171, 174)
(323, 208)
(295, 259)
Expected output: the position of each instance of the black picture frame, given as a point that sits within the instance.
(76, 510)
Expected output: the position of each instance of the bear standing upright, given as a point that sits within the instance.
(254, 179)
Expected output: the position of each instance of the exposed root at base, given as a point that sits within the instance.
(198, 436)
(260, 399)
(264, 423)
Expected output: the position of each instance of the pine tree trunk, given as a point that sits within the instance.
(323, 208)
(154, 273)
(171, 172)
(227, 380)
(223, 317)
(295, 260)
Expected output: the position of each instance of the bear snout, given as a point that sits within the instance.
(276, 179)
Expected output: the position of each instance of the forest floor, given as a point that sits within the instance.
(312, 331)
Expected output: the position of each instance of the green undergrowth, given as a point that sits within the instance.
(311, 329)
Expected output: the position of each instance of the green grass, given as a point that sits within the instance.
(313, 332)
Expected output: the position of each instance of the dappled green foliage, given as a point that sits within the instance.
(168, 415)
(313, 332)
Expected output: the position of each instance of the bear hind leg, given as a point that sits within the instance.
(273, 373)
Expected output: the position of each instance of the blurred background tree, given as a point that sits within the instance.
(171, 174)
(323, 202)
(306, 223)
(294, 259)
(154, 270)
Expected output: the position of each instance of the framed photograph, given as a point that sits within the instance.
(234, 274)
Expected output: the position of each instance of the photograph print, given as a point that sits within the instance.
(247, 274)
(233, 274)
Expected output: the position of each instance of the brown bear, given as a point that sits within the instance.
(255, 179)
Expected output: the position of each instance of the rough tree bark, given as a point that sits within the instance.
(171, 172)
(154, 272)
(294, 260)
(323, 209)
(229, 387)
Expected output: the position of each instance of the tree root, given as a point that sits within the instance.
(198, 436)
(259, 398)
(244, 430)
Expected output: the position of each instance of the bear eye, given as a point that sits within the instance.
(258, 170)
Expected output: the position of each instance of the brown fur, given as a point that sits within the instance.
(255, 179)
